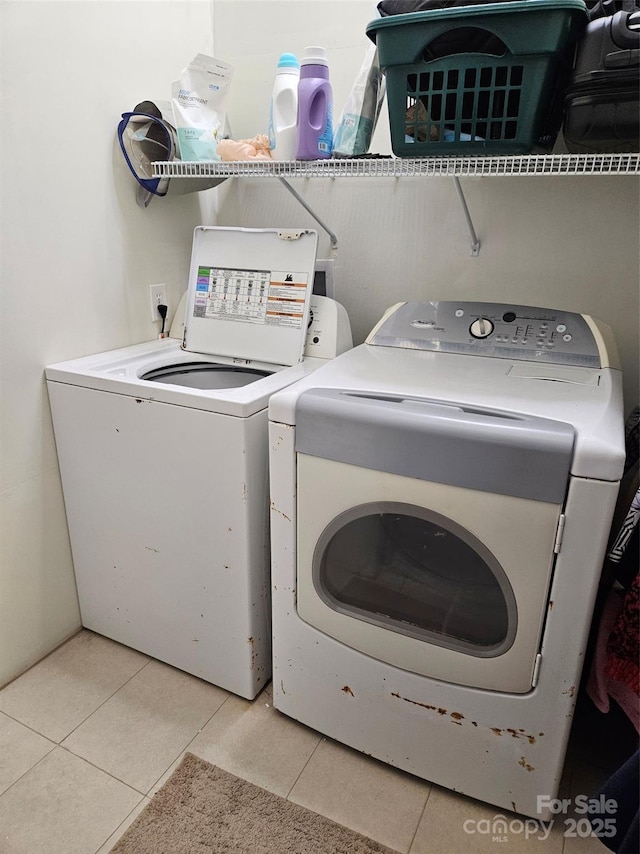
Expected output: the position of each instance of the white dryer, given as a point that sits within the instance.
(163, 456)
(441, 499)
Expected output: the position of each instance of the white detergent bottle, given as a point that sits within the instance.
(284, 109)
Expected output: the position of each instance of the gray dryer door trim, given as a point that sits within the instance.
(473, 447)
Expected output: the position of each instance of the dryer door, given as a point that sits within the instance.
(443, 565)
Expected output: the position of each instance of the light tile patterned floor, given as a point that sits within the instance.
(92, 731)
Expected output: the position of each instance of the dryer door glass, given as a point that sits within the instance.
(415, 572)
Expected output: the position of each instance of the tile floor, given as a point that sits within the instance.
(92, 731)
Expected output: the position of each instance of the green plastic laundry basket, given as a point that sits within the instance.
(506, 101)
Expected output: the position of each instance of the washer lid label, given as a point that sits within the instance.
(275, 298)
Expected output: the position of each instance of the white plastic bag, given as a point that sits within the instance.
(362, 108)
(199, 107)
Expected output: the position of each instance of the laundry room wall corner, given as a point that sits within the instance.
(78, 257)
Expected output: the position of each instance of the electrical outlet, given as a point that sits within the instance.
(158, 296)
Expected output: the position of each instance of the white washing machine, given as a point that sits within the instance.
(441, 498)
(164, 462)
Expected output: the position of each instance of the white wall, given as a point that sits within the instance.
(564, 242)
(78, 256)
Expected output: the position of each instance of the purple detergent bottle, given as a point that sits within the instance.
(315, 106)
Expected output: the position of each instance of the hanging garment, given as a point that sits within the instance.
(615, 670)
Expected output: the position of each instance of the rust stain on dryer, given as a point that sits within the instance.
(427, 706)
(275, 510)
(458, 718)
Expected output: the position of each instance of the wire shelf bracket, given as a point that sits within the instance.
(475, 242)
(300, 200)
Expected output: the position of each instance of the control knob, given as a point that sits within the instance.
(481, 328)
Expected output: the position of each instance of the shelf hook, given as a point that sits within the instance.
(298, 197)
(475, 243)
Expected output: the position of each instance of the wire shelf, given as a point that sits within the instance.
(396, 167)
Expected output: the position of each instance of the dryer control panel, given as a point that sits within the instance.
(499, 330)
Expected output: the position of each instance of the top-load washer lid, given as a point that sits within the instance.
(249, 293)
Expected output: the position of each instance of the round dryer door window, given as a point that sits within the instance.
(410, 570)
